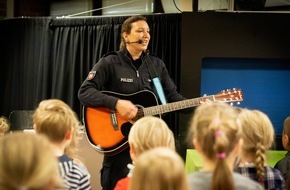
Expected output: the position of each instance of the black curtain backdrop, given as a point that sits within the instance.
(44, 58)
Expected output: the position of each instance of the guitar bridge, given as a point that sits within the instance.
(114, 120)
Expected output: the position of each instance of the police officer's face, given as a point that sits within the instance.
(140, 33)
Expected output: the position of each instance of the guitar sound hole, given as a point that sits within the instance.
(125, 129)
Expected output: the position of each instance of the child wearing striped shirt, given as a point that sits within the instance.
(59, 123)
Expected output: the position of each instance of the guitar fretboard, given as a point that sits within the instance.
(174, 106)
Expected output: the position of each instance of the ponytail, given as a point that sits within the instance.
(222, 175)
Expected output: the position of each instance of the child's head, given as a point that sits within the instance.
(217, 135)
(159, 168)
(216, 129)
(147, 133)
(27, 162)
(4, 126)
(258, 135)
(258, 131)
(57, 121)
(286, 134)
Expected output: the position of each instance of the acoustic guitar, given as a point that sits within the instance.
(107, 131)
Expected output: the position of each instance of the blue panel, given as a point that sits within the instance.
(265, 84)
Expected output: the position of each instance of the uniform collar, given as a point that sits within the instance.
(141, 57)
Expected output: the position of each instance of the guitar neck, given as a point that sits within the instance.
(174, 106)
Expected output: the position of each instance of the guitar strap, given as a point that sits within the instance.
(155, 78)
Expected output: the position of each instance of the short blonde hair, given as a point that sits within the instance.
(149, 132)
(54, 118)
(27, 161)
(159, 168)
(4, 126)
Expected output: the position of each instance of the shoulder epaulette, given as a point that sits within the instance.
(147, 52)
(153, 55)
(110, 53)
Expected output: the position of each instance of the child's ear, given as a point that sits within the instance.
(68, 135)
(132, 149)
(196, 145)
(34, 126)
(238, 149)
(286, 139)
(133, 153)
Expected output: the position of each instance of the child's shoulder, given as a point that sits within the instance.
(81, 166)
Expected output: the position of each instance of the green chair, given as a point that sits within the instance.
(273, 156)
(193, 161)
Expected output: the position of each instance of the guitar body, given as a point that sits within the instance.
(106, 136)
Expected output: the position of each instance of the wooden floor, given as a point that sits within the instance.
(93, 161)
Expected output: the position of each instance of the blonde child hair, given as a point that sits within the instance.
(147, 133)
(258, 135)
(55, 119)
(27, 162)
(159, 169)
(4, 126)
(217, 132)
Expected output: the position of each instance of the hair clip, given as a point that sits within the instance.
(221, 155)
(218, 133)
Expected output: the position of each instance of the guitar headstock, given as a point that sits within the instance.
(230, 95)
